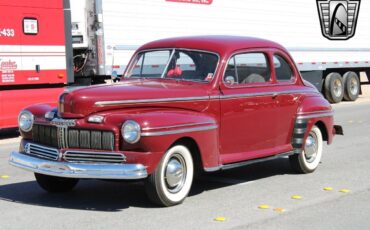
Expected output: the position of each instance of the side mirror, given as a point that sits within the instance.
(230, 80)
(115, 77)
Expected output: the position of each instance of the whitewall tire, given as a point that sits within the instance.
(309, 159)
(170, 183)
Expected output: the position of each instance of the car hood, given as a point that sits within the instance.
(134, 93)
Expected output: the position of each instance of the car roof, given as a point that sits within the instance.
(215, 43)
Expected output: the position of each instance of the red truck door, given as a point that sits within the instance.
(32, 55)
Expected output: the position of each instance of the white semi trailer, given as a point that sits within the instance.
(105, 33)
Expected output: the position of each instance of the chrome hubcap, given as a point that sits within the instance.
(175, 174)
(337, 88)
(310, 148)
(354, 86)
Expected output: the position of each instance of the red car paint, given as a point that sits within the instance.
(251, 121)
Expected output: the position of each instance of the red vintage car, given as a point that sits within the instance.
(184, 105)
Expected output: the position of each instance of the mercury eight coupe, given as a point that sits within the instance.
(184, 105)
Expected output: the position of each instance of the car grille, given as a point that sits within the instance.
(93, 157)
(63, 137)
(41, 151)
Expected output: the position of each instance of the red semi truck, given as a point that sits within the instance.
(35, 55)
(46, 45)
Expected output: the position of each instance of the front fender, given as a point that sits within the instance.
(162, 128)
(38, 111)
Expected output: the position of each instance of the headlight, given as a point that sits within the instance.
(25, 120)
(131, 131)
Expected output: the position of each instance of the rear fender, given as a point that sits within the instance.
(314, 110)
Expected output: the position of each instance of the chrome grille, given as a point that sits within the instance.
(93, 157)
(42, 151)
(64, 137)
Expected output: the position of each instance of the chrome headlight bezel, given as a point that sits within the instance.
(130, 128)
(26, 123)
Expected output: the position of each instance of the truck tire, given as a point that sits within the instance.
(170, 183)
(351, 86)
(55, 184)
(334, 88)
(308, 160)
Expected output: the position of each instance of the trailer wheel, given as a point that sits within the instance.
(351, 86)
(334, 88)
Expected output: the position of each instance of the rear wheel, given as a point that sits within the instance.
(334, 88)
(351, 86)
(170, 183)
(55, 184)
(308, 160)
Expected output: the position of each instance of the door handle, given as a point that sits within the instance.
(274, 95)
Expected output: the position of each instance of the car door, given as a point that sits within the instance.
(290, 92)
(248, 119)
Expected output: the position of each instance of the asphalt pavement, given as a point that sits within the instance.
(258, 196)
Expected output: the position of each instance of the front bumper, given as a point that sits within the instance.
(78, 170)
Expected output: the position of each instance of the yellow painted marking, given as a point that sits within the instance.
(328, 189)
(344, 190)
(220, 219)
(4, 176)
(350, 121)
(264, 206)
(280, 210)
(296, 197)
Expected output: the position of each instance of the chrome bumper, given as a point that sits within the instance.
(76, 170)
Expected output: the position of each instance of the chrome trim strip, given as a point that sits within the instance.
(139, 101)
(166, 67)
(298, 141)
(177, 126)
(200, 98)
(186, 130)
(213, 169)
(299, 130)
(96, 155)
(63, 122)
(75, 170)
(315, 115)
(252, 161)
(272, 93)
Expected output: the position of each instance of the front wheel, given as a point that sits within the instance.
(55, 184)
(308, 160)
(170, 183)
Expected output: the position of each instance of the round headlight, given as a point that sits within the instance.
(25, 120)
(131, 131)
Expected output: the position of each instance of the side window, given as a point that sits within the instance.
(30, 26)
(185, 62)
(247, 68)
(282, 69)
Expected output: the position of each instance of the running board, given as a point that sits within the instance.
(248, 162)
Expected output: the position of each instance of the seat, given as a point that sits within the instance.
(253, 78)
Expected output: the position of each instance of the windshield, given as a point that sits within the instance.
(175, 64)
